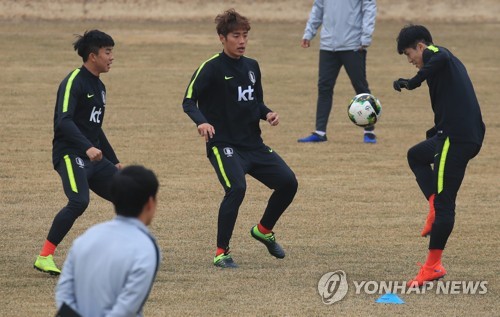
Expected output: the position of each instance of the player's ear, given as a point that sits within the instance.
(421, 46)
(222, 38)
(92, 57)
(149, 211)
(151, 204)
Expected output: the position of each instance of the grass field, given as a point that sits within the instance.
(358, 207)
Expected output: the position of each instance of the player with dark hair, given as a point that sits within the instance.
(110, 269)
(455, 138)
(225, 100)
(81, 153)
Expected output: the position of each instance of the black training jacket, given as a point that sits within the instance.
(227, 93)
(456, 110)
(78, 117)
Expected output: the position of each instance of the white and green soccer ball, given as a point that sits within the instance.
(364, 110)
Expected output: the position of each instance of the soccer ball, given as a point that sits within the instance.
(364, 110)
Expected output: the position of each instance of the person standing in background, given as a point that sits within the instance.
(346, 32)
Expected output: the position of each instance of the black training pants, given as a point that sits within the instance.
(450, 161)
(78, 176)
(330, 64)
(266, 166)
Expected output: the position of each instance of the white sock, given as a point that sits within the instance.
(320, 133)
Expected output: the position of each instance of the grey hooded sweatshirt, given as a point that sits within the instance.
(346, 24)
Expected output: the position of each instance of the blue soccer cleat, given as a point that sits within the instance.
(369, 137)
(313, 138)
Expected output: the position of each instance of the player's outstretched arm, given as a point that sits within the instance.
(400, 83)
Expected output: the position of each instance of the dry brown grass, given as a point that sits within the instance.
(259, 10)
(358, 207)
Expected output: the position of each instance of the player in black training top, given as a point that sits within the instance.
(81, 153)
(454, 140)
(225, 100)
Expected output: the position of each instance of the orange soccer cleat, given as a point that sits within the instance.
(427, 274)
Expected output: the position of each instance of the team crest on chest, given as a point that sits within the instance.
(251, 75)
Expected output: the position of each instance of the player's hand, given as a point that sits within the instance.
(206, 130)
(94, 154)
(305, 43)
(119, 166)
(273, 118)
(400, 83)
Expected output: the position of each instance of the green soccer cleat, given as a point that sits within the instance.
(269, 240)
(46, 264)
(225, 261)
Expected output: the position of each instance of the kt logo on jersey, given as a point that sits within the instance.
(247, 94)
(95, 115)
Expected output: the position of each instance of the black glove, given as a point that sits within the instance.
(400, 83)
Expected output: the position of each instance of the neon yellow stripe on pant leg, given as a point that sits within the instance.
(71, 175)
(221, 167)
(442, 163)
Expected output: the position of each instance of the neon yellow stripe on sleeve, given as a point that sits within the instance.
(221, 167)
(71, 175)
(190, 89)
(68, 89)
(442, 163)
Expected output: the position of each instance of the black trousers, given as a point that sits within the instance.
(330, 64)
(266, 166)
(78, 175)
(444, 179)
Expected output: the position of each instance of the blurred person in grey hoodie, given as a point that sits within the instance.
(346, 33)
(111, 268)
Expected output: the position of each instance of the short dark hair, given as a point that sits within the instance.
(131, 188)
(91, 42)
(230, 21)
(410, 35)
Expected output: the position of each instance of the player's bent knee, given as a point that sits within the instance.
(78, 206)
(288, 184)
(237, 191)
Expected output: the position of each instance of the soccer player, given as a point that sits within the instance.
(346, 33)
(225, 100)
(81, 153)
(110, 269)
(455, 138)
